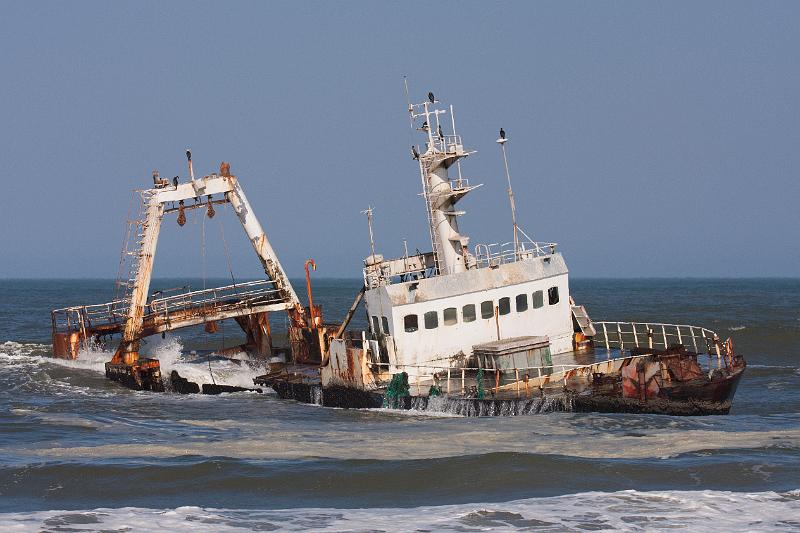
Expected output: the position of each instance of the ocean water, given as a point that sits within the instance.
(79, 453)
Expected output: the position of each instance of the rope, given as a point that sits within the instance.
(227, 251)
(203, 261)
(203, 249)
(222, 327)
(210, 373)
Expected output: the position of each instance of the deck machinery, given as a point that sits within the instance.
(134, 317)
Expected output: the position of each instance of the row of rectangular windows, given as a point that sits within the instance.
(450, 315)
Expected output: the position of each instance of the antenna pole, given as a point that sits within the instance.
(429, 125)
(408, 101)
(502, 142)
(189, 158)
(368, 212)
(458, 162)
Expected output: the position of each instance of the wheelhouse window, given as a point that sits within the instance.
(468, 313)
(385, 324)
(450, 316)
(375, 328)
(431, 320)
(410, 323)
(487, 309)
(538, 299)
(504, 306)
(522, 302)
(552, 295)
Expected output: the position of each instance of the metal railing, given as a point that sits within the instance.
(465, 377)
(651, 335)
(447, 143)
(492, 255)
(219, 298)
(80, 317)
(459, 183)
(87, 317)
(612, 340)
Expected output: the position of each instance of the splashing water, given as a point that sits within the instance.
(200, 368)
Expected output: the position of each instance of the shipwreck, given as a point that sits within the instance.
(480, 330)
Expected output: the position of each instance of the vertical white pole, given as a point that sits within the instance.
(502, 143)
(448, 380)
(428, 122)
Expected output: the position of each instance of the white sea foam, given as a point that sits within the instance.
(463, 439)
(211, 369)
(15, 353)
(737, 328)
(169, 351)
(630, 510)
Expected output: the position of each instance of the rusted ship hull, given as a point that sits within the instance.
(713, 397)
(144, 374)
(696, 397)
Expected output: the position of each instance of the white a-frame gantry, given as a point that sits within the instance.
(183, 310)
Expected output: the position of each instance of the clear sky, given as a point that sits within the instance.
(647, 139)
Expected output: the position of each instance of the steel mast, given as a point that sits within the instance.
(450, 247)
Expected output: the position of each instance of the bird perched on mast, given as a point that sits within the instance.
(414, 152)
(431, 98)
(502, 139)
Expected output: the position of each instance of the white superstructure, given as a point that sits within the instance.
(432, 308)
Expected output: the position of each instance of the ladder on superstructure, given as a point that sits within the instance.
(131, 252)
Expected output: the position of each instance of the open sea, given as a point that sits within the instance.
(80, 453)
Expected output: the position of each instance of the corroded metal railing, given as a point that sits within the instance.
(93, 318)
(653, 335)
(80, 317)
(613, 344)
(220, 298)
(462, 380)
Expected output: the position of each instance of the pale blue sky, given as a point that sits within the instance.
(648, 139)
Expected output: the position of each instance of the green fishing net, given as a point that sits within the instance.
(397, 389)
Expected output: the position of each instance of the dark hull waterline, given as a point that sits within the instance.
(703, 397)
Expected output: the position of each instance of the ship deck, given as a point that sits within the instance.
(499, 384)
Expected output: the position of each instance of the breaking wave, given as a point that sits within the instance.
(628, 510)
(205, 368)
